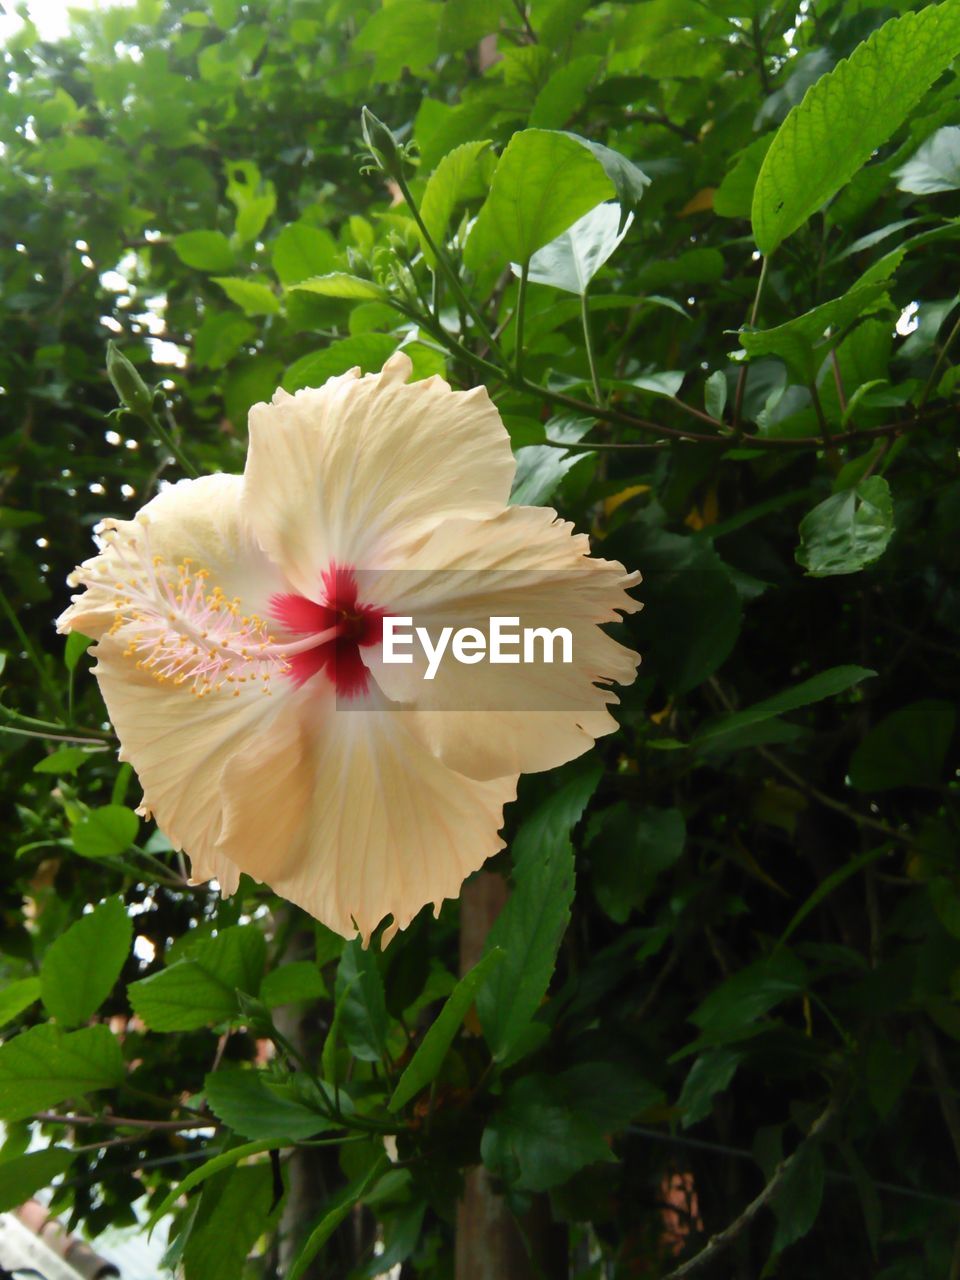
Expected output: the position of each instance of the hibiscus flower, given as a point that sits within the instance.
(239, 629)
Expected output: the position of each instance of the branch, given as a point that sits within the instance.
(716, 1244)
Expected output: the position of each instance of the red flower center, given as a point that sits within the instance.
(357, 625)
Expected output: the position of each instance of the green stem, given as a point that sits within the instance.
(166, 437)
(929, 384)
(49, 688)
(446, 268)
(742, 378)
(588, 343)
(521, 309)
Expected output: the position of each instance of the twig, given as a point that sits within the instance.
(716, 1244)
(124, 1122)
(742, 376)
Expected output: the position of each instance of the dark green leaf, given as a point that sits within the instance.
(363, 1016)
(23, 1175)
(906, 749)
(825, 685)
(253, 1107)
(235, 1209)
(847, 531)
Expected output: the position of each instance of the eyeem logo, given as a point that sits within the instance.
(505, 642)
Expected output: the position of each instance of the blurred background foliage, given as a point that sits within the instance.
(734, 929)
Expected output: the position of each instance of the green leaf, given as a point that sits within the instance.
(23, 1175)
(827, 886)
(629, 182)
(368, 350)
(543, 182)
(45, 1066)
(531, 926)
(803, 343)
(906, 749)
(459, 176)
(201, 988)
(562, 96)
(540, 470)
(225, 1160)
(629, 848)
(539, 1137)
(709, 1075)
(76, 646)
(17, 996)
(363, 1017)
(247, 1102)
(81, 966)
(734, 196)
(254, 298)
(572, 260)
(748, 994)
(847, 531)
(796, 1202)
(432, 1050)
(935, 166)
(825, 685)
(692, 612)
(301, 251)
(299, 980)
(105, 832)
(847, 114)
(401, 36)
(341, 1207)
(715, 394)
(66, 760)
(338, 284)
(234, 1212)
(204, 250)
(255, 199)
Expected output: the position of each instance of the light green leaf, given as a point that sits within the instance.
(629, 182)
(65, 761)
(339, 284)
(254, 298)
(301, 251)
(715, 394)
(847, 531)
(368, 350)
(255, 199)
(802, 343)
(44, 1066)
(23, 1175)
(76, 646)
(201, 989)
(80, 967)
(543, 182)
(906, 749)
(847, 114)
(564, 93)
(459, 176)
(17, 996)
(432, 1050)
(935, 166)
(105, 832)
(204, 250)
(531, 926)
(825, 685)
(401, 36)
(572, 260)
(245, 1101)
(299, 980)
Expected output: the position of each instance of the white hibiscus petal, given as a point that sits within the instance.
(347, 814)
(354, 471)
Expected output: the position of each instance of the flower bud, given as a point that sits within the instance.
(134, 393)
(383, 145)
